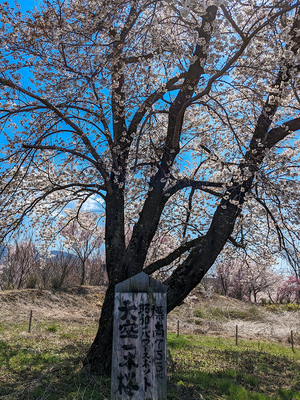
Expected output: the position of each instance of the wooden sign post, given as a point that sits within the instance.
(139, 358)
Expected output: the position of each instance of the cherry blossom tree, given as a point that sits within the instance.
(245, 280)
(177, 116)
(289, 290)
(60, 269)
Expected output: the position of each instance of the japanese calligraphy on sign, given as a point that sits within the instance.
(139, 368)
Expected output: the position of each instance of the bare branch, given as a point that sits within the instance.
(278, 230)
(236, 243)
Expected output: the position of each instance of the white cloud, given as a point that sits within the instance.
(94, 203)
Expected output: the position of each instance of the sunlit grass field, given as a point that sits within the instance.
(46, 364)
(216, 368)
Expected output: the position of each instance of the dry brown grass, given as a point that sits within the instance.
(219, 315)
(214, 316)
(74, 305)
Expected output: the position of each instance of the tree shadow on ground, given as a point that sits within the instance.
(40, 377)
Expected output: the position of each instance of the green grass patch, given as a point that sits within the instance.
(52, 328)
(43, 365)
(283, 307)
(199, 313)
(216, 368)
(47, 363)
(251, 314)
(47, 369)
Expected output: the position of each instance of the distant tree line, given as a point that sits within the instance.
(79, 260)
(77, 257)
(256, 282)
(22, 266)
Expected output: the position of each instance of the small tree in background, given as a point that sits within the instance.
(289, 290)
(62, 269)
(96, 269)
(21, 264)
(83, 237)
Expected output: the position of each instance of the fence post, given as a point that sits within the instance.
(30, 319)
(139, 357)
(237, 335)
(292, 341)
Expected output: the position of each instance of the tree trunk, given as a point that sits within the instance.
(180, 284)
(255, 296)
(82, 273)
(98, 359)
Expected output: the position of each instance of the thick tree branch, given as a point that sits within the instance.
(201, 258)
(150, 269)
(202, 185)
(146, 226)
(174, 255)
(195, 71)
(275, 135)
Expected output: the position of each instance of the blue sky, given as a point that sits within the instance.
(25, 4)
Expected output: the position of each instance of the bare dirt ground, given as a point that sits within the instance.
(214, 316)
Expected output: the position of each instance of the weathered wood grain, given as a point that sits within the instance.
(139, 365)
